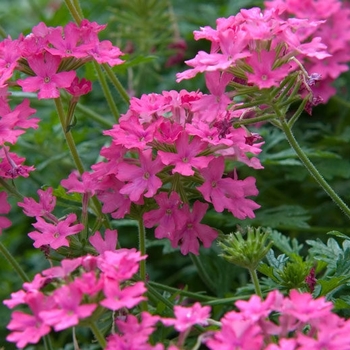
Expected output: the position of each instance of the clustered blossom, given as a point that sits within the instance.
(51, 231)
(334, 30)
(256, 47)
(80, 285)
(167, 146)
(297, 322)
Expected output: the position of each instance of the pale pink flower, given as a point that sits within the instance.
(4, 209)
(186, 317)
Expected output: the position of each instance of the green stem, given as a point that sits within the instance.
(10, 189)
(227, 301)
(47, 342)
(68, 135)
(13, 262)
(312, 169)
(159, 297)
(98, 335)
(74, 12)
(142, 249)
(94, 116)
(203, 273)
(106, 91)
(191, 295)
(119, 87)
(3, 33)
(255, 280)
(254, 120)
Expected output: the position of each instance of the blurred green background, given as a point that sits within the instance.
(147, 31)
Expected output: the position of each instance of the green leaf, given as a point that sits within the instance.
(284, 216)
(330, 285)
(285, 244)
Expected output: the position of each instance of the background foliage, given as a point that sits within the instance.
(291, 202)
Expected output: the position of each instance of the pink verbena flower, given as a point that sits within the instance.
(187, 156)
(227, 193)
(68, 309)
(192, 231)
(169, 217)
(142, 180)
(29, 329)
(47, 80)
(118, 298)
(102, 245)
(186, 317)
(46, 205)
(134, 335)
(55, 235)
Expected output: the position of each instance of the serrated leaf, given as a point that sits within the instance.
(277, 263)
(285, 216)
(343, 263)
(339, 234)
(329, 252)
(285, 244)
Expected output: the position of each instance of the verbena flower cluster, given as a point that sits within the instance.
(171, 157)
(334, 31)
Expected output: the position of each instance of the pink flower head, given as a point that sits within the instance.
(142, 180)
(193, 231)
(79, 87)
(169, 217)
(79, 184)
(134, 334)
(186, 317)
(11, 165)
(187, 156)
(304, 308)
(117, 298)
(102, 245)
(47, 80)
(69, 43)
(55, 235)
(29, 329)
(46, 205)
(68, 310)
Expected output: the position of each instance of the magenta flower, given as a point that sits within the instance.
(186, 317)
(109, 243)
(55, 235)
(80, 184)
(193, 231)
(134, 335)
(47, 80)
(186, 156)
(304, 308)
(141, 180)
(46, 205)
(120, 264)
(68, 43)
(264, 76)
(169, 217)
(29, 329)
(117, 298)
(68, 310)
